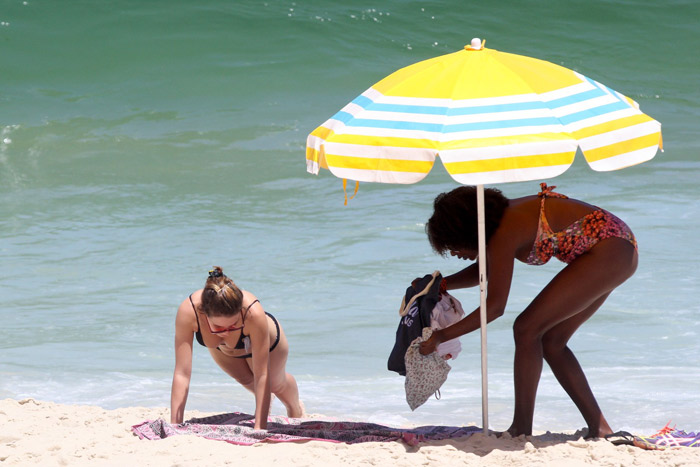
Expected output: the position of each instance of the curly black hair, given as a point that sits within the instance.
(453, 225)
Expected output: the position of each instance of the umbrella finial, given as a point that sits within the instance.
(476, 44)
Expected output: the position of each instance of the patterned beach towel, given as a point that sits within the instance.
(237, 428)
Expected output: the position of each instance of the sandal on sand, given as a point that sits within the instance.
(620, 437)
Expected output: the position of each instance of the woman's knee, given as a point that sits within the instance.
(278, 385)
(524, 331)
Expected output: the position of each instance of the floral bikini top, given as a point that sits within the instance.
(576, 239)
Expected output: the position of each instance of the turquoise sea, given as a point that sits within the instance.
(142, 142)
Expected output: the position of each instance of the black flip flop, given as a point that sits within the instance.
(620, 438)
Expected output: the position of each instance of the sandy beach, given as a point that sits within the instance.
(44, 433)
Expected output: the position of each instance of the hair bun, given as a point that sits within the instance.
(216, 272)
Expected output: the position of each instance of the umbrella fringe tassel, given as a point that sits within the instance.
(345, 190)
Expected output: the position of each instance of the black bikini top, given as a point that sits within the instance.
(239, 345)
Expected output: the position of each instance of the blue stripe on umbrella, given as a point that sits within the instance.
(576, 98)
(368, 104)
(593, 112)
(437, 127)
(342, 117)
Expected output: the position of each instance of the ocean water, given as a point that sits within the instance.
(143, 142)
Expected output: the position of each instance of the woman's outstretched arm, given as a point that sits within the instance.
(260, 347)
(500, 275)
(467, 277)
(183, 362)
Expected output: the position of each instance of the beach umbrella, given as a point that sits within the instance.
(491, 117)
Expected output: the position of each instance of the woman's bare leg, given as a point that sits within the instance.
(580, 288)
(569, 373)
(282, 384)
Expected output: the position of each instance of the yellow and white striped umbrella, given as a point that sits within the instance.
(491, 117)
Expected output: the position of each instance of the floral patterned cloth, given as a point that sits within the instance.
(571, 242)
(424, 373)
(237, 428)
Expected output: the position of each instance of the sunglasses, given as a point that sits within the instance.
(230, 329)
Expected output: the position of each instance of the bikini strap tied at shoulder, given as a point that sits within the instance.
(547, 192)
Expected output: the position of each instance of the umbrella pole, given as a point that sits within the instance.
(481, 226)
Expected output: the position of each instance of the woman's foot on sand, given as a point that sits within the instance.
(597, 433)
(514, 432)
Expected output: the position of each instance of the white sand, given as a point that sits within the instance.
(44, 433)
